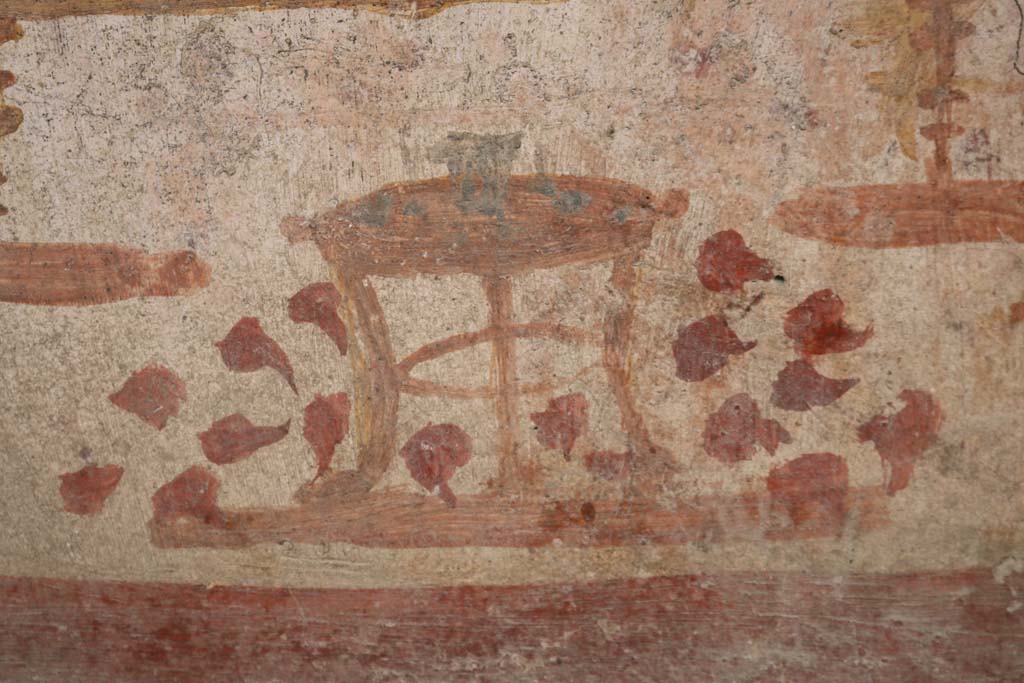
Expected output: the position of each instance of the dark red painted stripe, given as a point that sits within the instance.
(958, 626)
(55, 9)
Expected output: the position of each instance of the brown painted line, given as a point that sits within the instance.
(907, 215)
(943, 30)
(10, 116)
(375, 387)
(393, 519)
(79, 274)
(498, 290)
(934, 627)
(618, 327)
(421, 387)
(566, 334)
(55, 9)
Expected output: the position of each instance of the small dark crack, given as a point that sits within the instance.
(1020, 38)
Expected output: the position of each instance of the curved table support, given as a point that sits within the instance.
(375, 390)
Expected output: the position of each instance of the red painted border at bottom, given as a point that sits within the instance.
(793, 627)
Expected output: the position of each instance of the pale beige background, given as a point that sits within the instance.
(176, 132)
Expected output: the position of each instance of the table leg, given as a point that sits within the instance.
(617, 337)
(375, 390)
(498, 290)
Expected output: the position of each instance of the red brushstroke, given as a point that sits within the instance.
(85, 491)
(726, 263)
(10, 29)
(83, 274)
(817, 326)
(900, 439)
(908, 215)
(318, 304)
(733, 431)
(608, 465)
(674, 203)
(703, 348)
(247, 348)
(915, 627)
(800, 387)
(326, 426)
(1017, 313)
(154, 394)
(193, 493)
(562, 423)
(433, 454)
(391, 518)
(234, 438)
(11, 118)
(811, 491)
